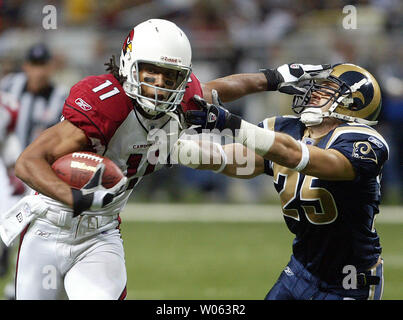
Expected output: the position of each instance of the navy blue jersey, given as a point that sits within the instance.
(333, 221)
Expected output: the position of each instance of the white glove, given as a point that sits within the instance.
(20, 215)
(93, 196)
(286, 77)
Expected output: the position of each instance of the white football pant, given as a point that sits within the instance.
(77, 258)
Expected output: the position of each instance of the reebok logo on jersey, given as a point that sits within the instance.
(375, 142)
(82, 104)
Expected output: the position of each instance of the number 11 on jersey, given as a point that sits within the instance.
(108, 94)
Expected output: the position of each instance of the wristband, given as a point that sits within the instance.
(274, 78)
(304, 158)
(255, 138)
(233, 122)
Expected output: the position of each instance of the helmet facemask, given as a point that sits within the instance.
(350, 93)
(302, 102)
(162, 99)
(339, 96)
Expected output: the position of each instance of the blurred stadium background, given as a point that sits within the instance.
(175, 247)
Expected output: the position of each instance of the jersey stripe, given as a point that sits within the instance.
(89, 119)
(356, 129)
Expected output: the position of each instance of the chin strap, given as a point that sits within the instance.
(314, 116)
(175, 116)
(349, 118)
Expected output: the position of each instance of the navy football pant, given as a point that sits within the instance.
(297, 283)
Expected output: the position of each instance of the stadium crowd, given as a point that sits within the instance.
(227, 36)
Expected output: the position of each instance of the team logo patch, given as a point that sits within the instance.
(363, 150)
(127, 44)
(82, 104)
(211, 117)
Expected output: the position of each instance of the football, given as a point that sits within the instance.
(78, 167)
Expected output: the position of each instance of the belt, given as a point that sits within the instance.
(65, 219)
(60, 218)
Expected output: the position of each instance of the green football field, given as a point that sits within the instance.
(197, 260)
(171, 258)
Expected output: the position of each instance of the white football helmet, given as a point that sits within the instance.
(161, 43)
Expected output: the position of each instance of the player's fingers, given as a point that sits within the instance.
(315, 67)
(96, 178)
(195, 117)
(318, 74)
(292, 90)
(200, 101)
(214, 97)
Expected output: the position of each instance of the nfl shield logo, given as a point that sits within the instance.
(211, 117)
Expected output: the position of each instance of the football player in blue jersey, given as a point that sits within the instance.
(326, 165)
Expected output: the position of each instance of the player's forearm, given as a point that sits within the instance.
(38, 174)
(275, 146)
(235, 86)
(233, 160)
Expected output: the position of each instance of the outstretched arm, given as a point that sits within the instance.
(283, 79)
(327, 164)
(233, 160)
(235, 86)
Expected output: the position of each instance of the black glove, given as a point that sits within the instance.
(212, 116)
(93, 196)
(286, 77)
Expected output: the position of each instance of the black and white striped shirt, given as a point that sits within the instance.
(37, 111)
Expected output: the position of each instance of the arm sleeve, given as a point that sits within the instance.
(367, 153)
(268, 164)
(99, 119)
(89, 121)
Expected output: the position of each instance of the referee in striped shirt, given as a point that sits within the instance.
(41, 100)
(40, 106)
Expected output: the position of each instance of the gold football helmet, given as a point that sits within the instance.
(354, 94)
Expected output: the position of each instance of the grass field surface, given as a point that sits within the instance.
(224, 252)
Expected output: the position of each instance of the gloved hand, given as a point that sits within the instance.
(286, 77)
(93, 196)
(212, 115)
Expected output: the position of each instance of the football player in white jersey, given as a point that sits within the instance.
(72, 247)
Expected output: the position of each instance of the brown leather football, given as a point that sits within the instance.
(78, 167)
